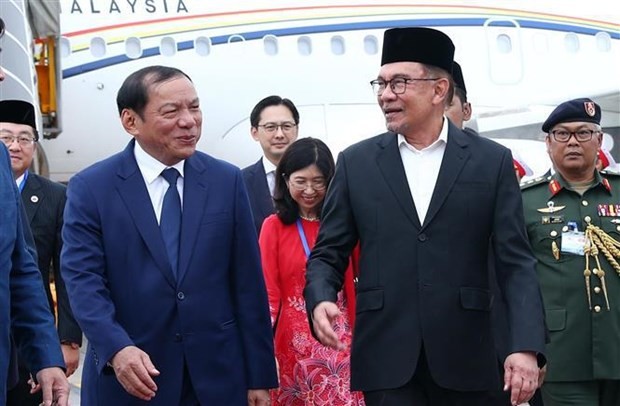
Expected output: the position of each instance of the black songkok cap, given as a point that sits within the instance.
(457, 75)
(17, 112)
(417, 44)
(573, 110)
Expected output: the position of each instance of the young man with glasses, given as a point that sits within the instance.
(44, 202)
(426, 201)
(274, 125)
(573, 223)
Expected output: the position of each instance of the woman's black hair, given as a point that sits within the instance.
(299, 155)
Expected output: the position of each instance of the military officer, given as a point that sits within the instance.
(573, 222)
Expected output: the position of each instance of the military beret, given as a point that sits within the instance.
(457, 75)
(573, 110)
(418, 44)
(17, 112)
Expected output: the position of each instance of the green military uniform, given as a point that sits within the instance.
(584, 332)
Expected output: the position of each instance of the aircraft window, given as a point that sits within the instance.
(304, 46)
(65, 47)
(337, 43)
(98, 47)
(270, 44)
(603, 41)
(168, 46)
(202, 45)
(504, 44)
(571, 42)
(236, 38)
(133, 47)
(371, 45)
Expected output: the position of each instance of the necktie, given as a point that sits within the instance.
(271, 181)
(170, 222)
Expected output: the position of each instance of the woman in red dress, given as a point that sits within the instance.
(310, 373)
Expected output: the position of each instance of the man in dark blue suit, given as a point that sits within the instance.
(425, 201)
(24, 312)
(274, 122)
(44, 202)
(161, 262)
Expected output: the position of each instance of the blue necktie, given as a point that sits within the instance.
(170, 222)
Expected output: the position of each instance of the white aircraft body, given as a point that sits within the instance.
(520, 59)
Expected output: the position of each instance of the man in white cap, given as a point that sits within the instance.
(426, 202)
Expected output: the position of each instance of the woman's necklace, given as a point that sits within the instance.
(309, 218)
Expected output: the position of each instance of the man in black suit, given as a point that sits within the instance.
(274, 124)
(425, 201)
(44, 203)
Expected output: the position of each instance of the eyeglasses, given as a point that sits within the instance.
(23, 140)
(302, 184)
(581, 135)
(397, 85)
(273, 127)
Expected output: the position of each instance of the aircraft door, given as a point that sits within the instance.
(505, 51)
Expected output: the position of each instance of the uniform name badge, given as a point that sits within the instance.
(574, 242)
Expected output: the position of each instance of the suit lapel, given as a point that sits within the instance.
(136, 198)
(32, 196)
(454, 158)
(391, 166)
(195, 189)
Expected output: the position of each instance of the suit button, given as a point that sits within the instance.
(181, 296)
(597, 290)
(178, 337)
(597, 308)
(422, 237)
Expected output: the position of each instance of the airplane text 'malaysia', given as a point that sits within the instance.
(127, 6)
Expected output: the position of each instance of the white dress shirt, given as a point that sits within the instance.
(422, 169)
(270, 172)
(156, 185)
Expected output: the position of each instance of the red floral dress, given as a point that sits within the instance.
(310, 373)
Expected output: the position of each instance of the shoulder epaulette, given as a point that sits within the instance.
(536, 181)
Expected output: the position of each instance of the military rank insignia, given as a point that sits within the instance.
(551, 208)
(608, 210)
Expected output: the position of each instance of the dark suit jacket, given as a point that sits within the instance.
(427, 285)
(258, 192)
(212, 319)
(44, 202)
(23, 309)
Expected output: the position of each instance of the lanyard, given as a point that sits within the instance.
(23, 182)
(302, 236)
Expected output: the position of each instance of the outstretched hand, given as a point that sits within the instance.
(134, 370)
(54, 385)
(521, 376)
(323, 317)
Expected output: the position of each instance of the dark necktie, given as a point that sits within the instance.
(170, 222)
